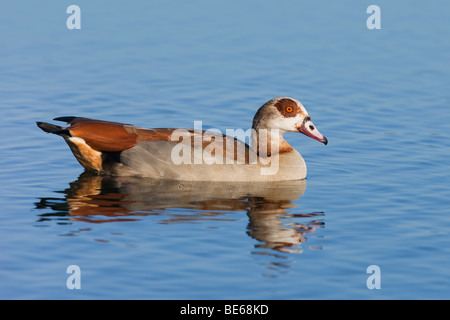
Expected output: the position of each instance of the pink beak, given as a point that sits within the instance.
(309, 129)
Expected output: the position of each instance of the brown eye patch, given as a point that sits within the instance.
(287, 107)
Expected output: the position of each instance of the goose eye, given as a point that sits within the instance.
(311, 127)
(289, 109)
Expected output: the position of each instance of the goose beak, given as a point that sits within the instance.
(309, 129)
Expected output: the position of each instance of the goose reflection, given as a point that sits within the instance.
(99, 199)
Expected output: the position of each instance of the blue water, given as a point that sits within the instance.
(377, 194)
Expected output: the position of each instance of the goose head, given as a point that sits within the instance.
(286, 115)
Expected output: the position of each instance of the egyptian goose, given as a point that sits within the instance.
(193, 155)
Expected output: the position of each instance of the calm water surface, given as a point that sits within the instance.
(377, 194)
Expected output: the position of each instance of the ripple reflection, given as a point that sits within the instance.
(272, 223)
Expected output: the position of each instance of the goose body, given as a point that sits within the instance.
(114, 148)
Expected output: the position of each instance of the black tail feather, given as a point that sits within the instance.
(51, 128)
